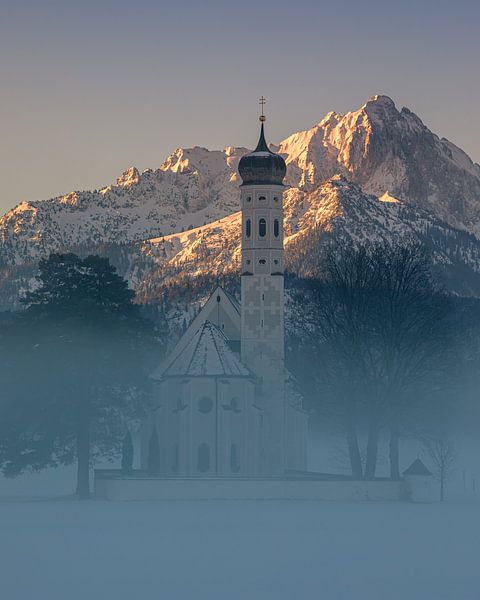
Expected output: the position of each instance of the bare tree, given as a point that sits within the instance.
(443, 456)
(377, 329)
(414, 341)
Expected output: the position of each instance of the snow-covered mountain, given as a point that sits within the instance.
(184, 264)
(389, 153)
(193, 186)
(336, 209)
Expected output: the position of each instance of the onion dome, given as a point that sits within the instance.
(262, 166)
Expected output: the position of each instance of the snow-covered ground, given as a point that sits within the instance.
(67, 550)
(53, 547)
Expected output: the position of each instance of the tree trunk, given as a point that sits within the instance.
(394, 452)
(83, 458)
(354, 450)
(372, 448)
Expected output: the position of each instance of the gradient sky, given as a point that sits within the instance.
(89, 88)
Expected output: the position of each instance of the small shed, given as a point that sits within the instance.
(419, 482)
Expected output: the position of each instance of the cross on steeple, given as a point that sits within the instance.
(262, 102)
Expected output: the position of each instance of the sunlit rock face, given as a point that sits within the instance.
(385, 150)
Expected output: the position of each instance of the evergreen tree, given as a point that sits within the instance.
(81, 353)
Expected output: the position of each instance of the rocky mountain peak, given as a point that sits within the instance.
(129, 177)
(380, 101)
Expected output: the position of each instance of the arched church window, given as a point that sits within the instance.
(263, 261)
(249, 199)
(261, 198)
(275, 199)
(234, 459)
(248, 228)
(262, 228)
(276, 228)
(205, 404)
(203, 458)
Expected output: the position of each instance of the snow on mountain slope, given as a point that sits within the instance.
(191, 187)
(336, 209)
(389, 153)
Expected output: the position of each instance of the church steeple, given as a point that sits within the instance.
(262, 144)
(262, 166)
(262, 329)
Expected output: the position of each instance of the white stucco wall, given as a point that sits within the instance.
(206, 489)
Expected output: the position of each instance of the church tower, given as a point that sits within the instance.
(262, 321)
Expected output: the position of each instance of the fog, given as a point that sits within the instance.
(54, 546)
(145, 453)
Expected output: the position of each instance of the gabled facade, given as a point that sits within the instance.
(206, 421)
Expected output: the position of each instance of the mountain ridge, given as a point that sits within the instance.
(375, 173)
(385, 151)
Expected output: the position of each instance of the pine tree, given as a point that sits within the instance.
(82, 351)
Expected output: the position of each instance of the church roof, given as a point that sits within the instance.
(235, 303)
(207, 354)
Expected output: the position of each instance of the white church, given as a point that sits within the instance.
(225, 406)
(227, 420)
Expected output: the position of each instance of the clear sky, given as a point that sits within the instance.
(89, 88)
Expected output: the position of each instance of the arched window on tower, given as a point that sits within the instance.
(203, 458)
(248, 228)
(276, 228)
(262, 228)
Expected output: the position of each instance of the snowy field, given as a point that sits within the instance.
(53, 547)
(63, 549)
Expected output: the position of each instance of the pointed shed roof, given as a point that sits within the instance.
(206, 355)
(417, 468)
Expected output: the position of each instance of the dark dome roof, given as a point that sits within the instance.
(262, 166)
